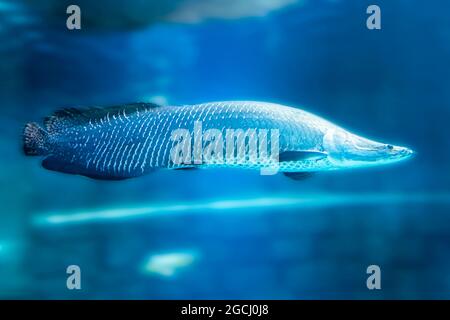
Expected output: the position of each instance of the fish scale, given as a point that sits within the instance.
(120, 145)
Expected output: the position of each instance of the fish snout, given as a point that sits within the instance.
(349, 150)
(400, 152)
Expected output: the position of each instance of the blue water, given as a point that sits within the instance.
(230, 233)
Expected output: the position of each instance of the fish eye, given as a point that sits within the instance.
(390, 146)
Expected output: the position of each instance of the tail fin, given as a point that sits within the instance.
(35, 140)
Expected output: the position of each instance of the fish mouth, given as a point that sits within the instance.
(349, 150)
(381, 154)
(377, 157)
(400, 153)
(390, 155)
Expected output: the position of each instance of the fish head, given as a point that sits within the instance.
(346, 149)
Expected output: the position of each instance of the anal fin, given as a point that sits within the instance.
(54, 164)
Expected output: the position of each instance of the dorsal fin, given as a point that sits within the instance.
(77, 116)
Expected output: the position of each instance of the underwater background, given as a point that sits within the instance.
(230, 234)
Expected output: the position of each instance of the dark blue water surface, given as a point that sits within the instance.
(231, 233)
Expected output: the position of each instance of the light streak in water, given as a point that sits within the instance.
(168, 264)
(250, 205)
(8, 249)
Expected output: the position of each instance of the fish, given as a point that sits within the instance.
(132, 140)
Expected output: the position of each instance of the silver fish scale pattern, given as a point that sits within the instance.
(134, 144)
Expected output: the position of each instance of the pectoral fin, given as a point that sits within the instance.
(298, 175)
(301, 155)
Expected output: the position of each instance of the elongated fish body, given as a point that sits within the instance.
(132, 140)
